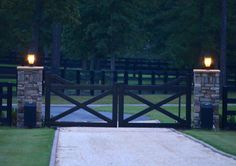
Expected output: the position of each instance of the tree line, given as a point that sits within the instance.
(176, 30)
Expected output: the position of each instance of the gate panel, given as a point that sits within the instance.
(59, 90)
(175, 86)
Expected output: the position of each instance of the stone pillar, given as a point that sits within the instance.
(29, 89)
(206, 91)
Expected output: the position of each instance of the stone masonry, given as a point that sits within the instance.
(29, 89)
(206, 91)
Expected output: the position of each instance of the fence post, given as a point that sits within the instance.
(114, 76)
(165, 81)
(9, 104)
(103, 78)
(1, 96)
(140, 81)
(92, 82)
(47, 101)
(234, 77)
(78, 81)
(126, 77)
(177, 73)
(63, 72)
(120, 91)
(224, 107)
(114, 105)
(188, 100)
(153, 81)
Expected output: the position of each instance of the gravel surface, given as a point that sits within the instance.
(133, 147)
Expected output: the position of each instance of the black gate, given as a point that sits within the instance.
(179, 87)
(229, 112)
(57, 85)
(6, 103)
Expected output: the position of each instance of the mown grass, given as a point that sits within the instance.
(25, 147)
(222, 140)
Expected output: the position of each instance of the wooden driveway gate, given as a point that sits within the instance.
(57, 86)
(179, 87)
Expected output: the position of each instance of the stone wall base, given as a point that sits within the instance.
(29, 90)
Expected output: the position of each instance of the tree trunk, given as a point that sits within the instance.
(56, 45)
(201, 31)
(34, 45)
(223, 42)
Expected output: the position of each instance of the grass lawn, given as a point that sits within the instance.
(222, 140)
(25, 147)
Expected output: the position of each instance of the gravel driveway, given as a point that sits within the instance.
(133, 147)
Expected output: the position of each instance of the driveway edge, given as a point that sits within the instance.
(54, 149)
(206, 145)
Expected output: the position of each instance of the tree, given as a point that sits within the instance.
(107, 28)
(175, 30)
(36, 22)
(15, 23)
(180, 30)
(59, 13)
(223, 42)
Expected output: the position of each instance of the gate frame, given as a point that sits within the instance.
(152, 106)
(107, 90)
(118, 92)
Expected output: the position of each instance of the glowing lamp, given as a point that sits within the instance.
(208, 61)
(31, 59)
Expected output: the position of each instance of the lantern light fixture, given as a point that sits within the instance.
(208, 61)
(31, 59)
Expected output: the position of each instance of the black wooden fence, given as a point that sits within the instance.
(229, 107)
(6, 103)
(122, 76)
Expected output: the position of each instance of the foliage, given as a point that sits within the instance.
(176, 30)
(17, 18)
